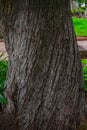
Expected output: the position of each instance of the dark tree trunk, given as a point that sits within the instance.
(44, 80)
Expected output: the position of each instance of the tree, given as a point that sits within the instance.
(86, 8)
(44, 80)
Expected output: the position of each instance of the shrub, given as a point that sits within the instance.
(77, 12)
(3, 70)
(84, 62)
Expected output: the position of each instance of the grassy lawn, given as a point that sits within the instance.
(80, 25)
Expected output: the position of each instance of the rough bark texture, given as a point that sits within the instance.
(44, 84)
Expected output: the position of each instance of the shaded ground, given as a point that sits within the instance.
(8, 122)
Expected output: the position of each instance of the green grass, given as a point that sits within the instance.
(80, 25)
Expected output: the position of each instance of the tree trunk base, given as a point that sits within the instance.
(8, 122)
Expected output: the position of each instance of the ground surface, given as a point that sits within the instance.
(8, 122)
(2, 49)
(82, 45)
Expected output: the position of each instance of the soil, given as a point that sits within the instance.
(8, 122)
(81, 38)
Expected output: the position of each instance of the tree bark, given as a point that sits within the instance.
(44, 85)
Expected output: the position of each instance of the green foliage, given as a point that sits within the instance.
(2, 99)
(77, 11)
(82, 10)
(74, 11)
(80, 1)
(84, 62)
(80, 25)
(3, 70)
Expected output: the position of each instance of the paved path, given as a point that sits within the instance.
(82, 46)
(2, 47)
(3, 50)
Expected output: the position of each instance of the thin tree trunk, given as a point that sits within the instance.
(85, 9)
(44, 80)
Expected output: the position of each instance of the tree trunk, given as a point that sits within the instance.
(44, 80)
(85, 14)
